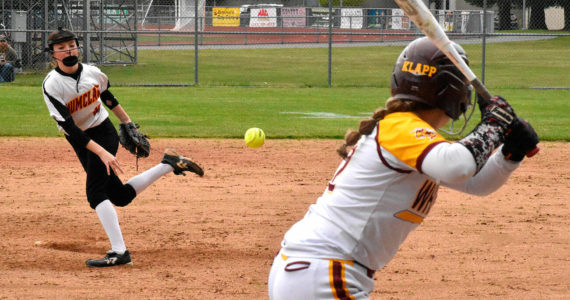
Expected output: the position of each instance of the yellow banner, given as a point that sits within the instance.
(226, 16)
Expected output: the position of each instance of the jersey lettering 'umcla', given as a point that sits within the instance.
(84, 99)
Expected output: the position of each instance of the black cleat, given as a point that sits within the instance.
(181, 163)
(112, 259)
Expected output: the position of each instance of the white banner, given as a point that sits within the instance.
(464, 21)
(448, 21)
(263, 17)
(351, 18)
(397, 18)
(441, 17)
(294, 16)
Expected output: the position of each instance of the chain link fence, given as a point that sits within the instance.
(116, 31)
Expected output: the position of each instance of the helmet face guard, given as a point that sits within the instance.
(466, 117)
(424, 74)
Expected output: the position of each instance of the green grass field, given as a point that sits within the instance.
(285, 91)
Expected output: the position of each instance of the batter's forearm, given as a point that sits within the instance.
(492, 176)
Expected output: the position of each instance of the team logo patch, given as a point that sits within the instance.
(424, 133)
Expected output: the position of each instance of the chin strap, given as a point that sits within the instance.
(466, 119)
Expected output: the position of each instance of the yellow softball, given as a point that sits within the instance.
(254, 137)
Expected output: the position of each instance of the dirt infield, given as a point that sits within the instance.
(215, 237)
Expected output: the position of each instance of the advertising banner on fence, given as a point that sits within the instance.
(225, 16)
(445, 19)
(464, 21)
(399, 20)
(294, 17)
(376, 18)
(441, 17)
(319, 17)
(351, 18)
(263, 17)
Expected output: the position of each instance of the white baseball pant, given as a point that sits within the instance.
(313, 278)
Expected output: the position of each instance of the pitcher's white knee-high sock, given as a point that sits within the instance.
(148, 177)
(108, 217)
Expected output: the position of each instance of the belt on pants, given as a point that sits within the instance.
(298, 265)
(369, 272)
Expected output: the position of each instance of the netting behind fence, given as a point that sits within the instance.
(186, 10)
(116, 31)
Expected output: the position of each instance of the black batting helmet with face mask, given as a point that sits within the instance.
(424, 74)
(59, 36)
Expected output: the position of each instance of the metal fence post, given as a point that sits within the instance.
(330, 42)
(196, 42)
(136, 35)
(282, 35)
(86, 29)
(100, 35)
(523, 25)
(245, 33)
(483, 44)
(384, 21)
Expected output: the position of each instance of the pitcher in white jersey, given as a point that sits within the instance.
(74, 94)
(389, 178)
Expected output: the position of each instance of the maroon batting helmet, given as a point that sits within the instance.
(424, 74)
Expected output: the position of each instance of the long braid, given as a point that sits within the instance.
(366, 127)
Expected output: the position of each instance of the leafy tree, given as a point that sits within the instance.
(505, 14)
(504, 10)
(537, 18)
